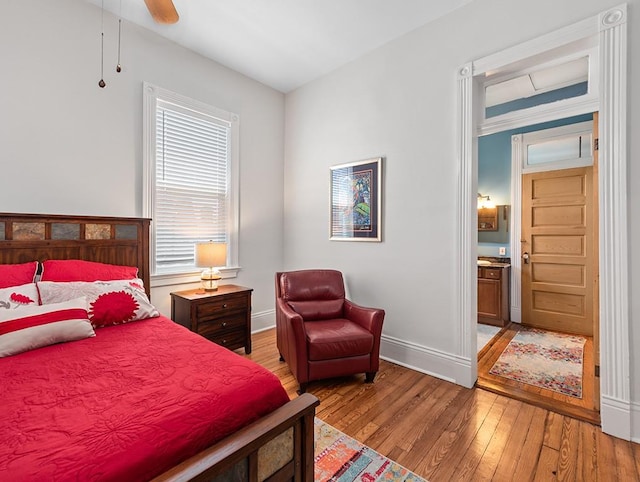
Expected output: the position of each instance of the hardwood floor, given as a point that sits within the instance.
(584, 408)
(444, 432)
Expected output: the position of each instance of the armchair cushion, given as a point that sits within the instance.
(339, 338)
(318, 310)
(314, 294)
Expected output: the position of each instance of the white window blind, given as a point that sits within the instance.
(189, 187)
(192, 160)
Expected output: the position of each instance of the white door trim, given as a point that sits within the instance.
(610, 27)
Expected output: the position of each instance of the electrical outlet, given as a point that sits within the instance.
(502, 251)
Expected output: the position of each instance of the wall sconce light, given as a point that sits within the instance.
(485, 202)
(211, 256)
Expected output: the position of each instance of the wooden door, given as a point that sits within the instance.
(558, 278)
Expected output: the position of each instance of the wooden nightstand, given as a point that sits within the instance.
(222, 316)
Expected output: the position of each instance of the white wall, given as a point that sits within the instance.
(399, 102)
(70, 147)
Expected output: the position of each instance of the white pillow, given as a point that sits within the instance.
(18, 296)
(29, 327)
(110, 302)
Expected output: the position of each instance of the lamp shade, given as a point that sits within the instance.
(210, 254)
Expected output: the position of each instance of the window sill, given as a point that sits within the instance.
(191, 277)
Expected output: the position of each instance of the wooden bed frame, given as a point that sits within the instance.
(125, 241)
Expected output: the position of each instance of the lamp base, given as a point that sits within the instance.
(209, 279)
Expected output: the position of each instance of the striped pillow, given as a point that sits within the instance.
(29, 327)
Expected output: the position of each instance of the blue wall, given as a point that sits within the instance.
(564, 93)
(494, 168)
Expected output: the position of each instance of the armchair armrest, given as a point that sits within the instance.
(295, 346)
(369, 318)
(292, 318)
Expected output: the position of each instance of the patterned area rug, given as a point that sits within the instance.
(338, 457)
(544, 359)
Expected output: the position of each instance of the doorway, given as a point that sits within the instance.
(609, 31)
(558, 234)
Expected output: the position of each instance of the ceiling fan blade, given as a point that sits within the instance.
(162, 11)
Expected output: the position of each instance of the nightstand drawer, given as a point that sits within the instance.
(232, 340)
(221, 308)
(214, 327)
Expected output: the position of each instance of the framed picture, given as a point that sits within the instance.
(356, 201)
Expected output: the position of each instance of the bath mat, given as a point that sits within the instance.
(544, 359)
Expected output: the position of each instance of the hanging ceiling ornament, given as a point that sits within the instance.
(118, 66)
(102, 83)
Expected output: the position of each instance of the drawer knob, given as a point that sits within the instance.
(224, 342)
(224, 323)
(224, 306)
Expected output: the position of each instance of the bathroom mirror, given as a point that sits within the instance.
(497, 234)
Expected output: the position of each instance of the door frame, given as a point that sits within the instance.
(610, 28)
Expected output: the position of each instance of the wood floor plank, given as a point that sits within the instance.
(417, 407)
(553, 430)
(567, 462)
(624, 460)
(446, 432)
(530, 455)
(587, 462)
(433, 440)
(636, 456)
(463, 430)
(466, 468)
(491, 458)
(515, 444)
(606, 457)
(547, 468)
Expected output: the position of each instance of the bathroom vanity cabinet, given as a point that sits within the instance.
(493, 294)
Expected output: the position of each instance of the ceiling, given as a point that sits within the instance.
(286, 43)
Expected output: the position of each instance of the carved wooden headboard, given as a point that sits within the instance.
(38, 237)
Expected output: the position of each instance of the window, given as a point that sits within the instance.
(190, 171)
(557, 148)
(536, 89)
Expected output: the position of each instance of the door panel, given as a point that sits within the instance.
(558, 187)
(569, 216)
(567, 275)
(557, 235)
(558, 245)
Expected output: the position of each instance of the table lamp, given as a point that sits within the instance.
(211, 255)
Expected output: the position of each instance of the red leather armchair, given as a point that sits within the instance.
(321, 334)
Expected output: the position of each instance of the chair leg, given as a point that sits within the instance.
(302, 389)
(369, 376)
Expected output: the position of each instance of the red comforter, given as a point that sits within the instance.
(127, 404)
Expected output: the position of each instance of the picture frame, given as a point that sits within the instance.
(356, 201)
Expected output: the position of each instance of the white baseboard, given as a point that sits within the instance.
(263, 321)
(433, 362)
(436, 363)
(616, 417)
(515, 314)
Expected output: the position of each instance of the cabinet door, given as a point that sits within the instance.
(489, 299)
